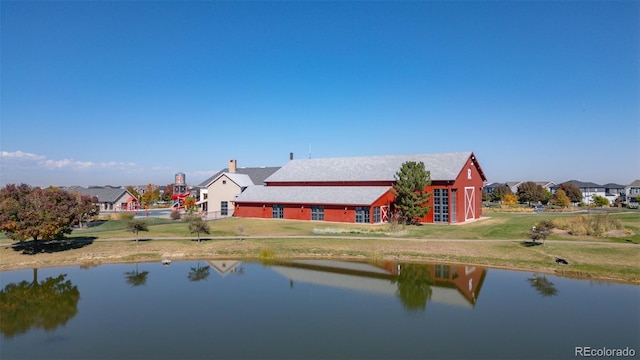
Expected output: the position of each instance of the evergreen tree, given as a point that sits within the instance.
(410, 191)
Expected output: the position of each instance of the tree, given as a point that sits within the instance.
(541, 230)
(531, 192)
(87, 207)
(190, 204)
(168, 191)
(410, 191)
(560, 198)
(136, 226)
(499, 192)
(198, 226)
(485, 195)
(572, 191)
(151, 195)
(510, 200)
(36, 213)
(600, 201)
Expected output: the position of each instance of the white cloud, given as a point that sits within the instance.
(28, 160)
(19, 155)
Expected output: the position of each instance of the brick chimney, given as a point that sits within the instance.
(233, 165)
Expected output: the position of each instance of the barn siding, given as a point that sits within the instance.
(346, 213)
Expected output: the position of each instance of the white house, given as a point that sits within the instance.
(220, 190)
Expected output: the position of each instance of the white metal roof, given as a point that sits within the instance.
(444, 166)
(343, 195)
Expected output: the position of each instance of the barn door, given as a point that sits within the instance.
(469, 203)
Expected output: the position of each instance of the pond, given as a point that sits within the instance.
(310, 309)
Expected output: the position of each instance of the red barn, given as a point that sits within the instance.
(358, 189)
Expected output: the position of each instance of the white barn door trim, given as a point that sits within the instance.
(469, 203)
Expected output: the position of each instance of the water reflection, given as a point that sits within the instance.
(542, 285)
(199, 273)
(46, 304)
(414, 284)
(136, 277)
(226, 267)
(311, 309)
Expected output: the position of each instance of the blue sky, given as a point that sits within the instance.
(131, 92)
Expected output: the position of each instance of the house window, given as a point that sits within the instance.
(277, 211)
(376, 214)
(224, 208)
(317, 213)
(440, 205)
(362, 214)
(224, 182)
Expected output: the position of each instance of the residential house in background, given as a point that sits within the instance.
(490, 187)
(588, 189)
(513, 185)
(632, 194)
(218, 192)
(613, 191)
(109, 197)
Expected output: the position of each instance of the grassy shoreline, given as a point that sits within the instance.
(495, 242)
(591, 261)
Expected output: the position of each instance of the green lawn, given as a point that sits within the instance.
(495, 226)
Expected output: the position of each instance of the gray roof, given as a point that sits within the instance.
(105, 194)
(613, 186)
(582, 184)
(339, 195)
(445, 166)
(242, 180)
(256, 174)
(635, 183)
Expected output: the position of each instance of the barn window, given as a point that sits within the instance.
(453, 205)
(317, 213)
(277, 211)
(362, 214)
(376, 214)
(440, 205)
(224, 208)
(442, 271)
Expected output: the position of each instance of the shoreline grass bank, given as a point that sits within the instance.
(596, 261)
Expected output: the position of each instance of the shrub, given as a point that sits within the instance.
(125, 216)
(175, 215)
(191, 218)
(594, 225)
